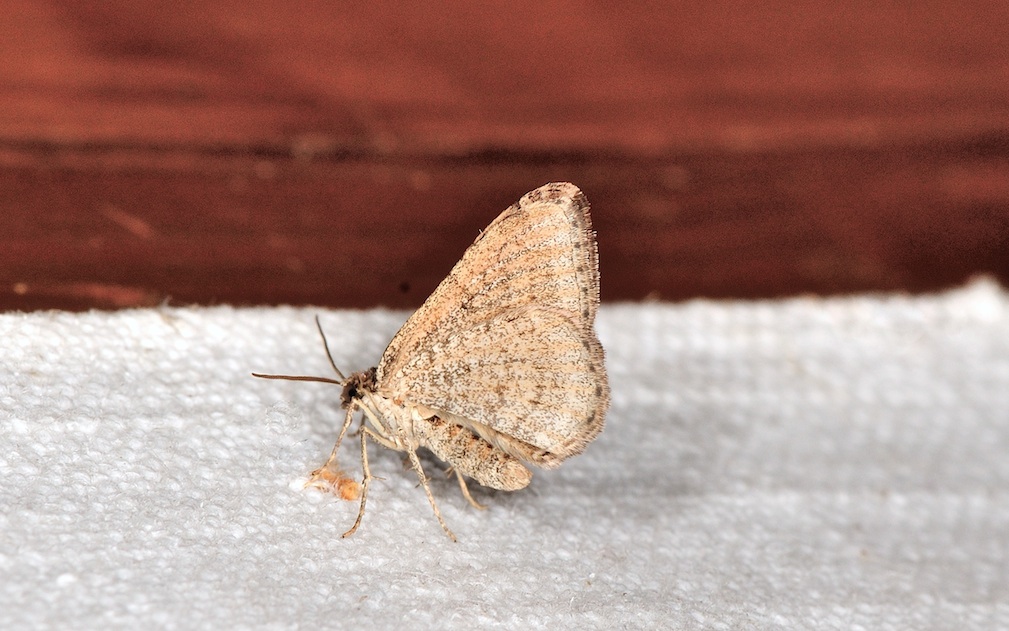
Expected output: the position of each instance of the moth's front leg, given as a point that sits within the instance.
(329, 477)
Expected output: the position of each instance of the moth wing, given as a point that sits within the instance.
(530, 380)
(540, 251)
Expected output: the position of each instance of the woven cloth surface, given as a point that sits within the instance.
(806, 463)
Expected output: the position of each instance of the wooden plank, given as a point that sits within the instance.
(256, 153)
(357, 233)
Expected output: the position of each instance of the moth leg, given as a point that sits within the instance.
(415, 461)
(323, 477)
(380, 426)
(465, 491)
(382, 440)
(364, 483)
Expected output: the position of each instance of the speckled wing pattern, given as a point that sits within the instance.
(505, 345)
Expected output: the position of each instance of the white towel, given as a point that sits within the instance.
(807, 463)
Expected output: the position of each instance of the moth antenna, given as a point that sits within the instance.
(299, 378)
(325, 345)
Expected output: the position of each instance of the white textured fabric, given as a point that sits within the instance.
(828, 464)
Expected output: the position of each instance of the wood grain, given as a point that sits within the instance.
(259, 153)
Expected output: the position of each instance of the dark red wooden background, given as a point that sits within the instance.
(345, 154)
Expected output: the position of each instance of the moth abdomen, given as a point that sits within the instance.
(471, 455)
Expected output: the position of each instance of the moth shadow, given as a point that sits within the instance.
(659, 453)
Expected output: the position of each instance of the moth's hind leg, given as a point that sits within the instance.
(415, 461)
(465, 491)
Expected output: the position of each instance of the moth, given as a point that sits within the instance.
(500, 369)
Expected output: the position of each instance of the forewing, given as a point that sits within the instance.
(533, 374)
(540, 252)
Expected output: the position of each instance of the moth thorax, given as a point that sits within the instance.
(356, 384)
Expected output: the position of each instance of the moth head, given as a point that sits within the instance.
(356, 384)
